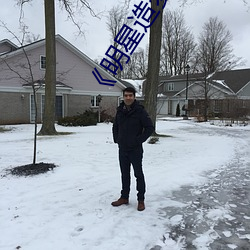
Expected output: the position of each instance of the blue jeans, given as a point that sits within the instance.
(134, 157)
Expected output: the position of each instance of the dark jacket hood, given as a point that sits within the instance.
(134, 105)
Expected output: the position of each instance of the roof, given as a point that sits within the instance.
(230, 81)
(235, 79)
(137, 84)
(41, 83)
(191, 77)
(8, 44)
(73, 49)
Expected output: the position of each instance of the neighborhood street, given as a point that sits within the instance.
(219, 209)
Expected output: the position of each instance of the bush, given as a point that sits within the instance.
(87, 118)
(200, 118)
(178, 111)
(106, 117)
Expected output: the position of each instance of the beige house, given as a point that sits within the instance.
(77, 89)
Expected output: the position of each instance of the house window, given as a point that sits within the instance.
(32, 109)
(218, 105)
(58, 111)
(170, 86)
(42, 62)
(59, 106)
(95, 101)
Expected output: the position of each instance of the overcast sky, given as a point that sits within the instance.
(97, 39)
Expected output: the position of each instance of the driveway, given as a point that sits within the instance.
(217, 212)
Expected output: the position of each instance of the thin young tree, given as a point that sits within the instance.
(24, 72)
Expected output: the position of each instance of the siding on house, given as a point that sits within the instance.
(71, 65)
(14, 108)
(74, 72)
(177, 86)
(244, 93)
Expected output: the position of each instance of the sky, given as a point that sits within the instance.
(234, 13)
(70, 207)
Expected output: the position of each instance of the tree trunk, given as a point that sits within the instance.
(151, 88)
(48, 127)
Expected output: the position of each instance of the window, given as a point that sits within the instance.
(59, 106)
(32, 109)
(218, 105)
(42, 62)
(170, 86)
(58, 111)
(95, 101)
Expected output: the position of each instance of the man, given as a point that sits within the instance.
(132, 127)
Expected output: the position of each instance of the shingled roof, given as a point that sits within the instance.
(235, 79)
(191, 77)
(41, 83)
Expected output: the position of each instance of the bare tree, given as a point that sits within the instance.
(137, 65)
(214, 49)
(116, 18)
(205, 90)
(141, 62)
(204, 94)
(24, 71)
(151, 87)
(48, 126)
(177, 43)
(185, 2)
(72, 7)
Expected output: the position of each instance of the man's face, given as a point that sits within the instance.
(128, 98)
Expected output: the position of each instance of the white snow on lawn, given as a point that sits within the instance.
(69, 208)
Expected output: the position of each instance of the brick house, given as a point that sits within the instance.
(77, 89)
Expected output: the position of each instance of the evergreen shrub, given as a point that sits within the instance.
(87, 118)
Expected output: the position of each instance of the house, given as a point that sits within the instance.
(137, 85)
(218, 94)
(77, 89)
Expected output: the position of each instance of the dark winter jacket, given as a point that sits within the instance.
(131, 127)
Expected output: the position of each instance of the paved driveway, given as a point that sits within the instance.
(218, 210)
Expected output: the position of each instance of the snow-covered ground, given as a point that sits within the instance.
(69, 208)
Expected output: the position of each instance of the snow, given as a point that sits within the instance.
(69, 207)
(221, 82)
(137, 85)
(227, 233)
(203, 241)
(210, 75)
(232, 246)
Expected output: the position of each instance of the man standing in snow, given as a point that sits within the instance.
(132, 127)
